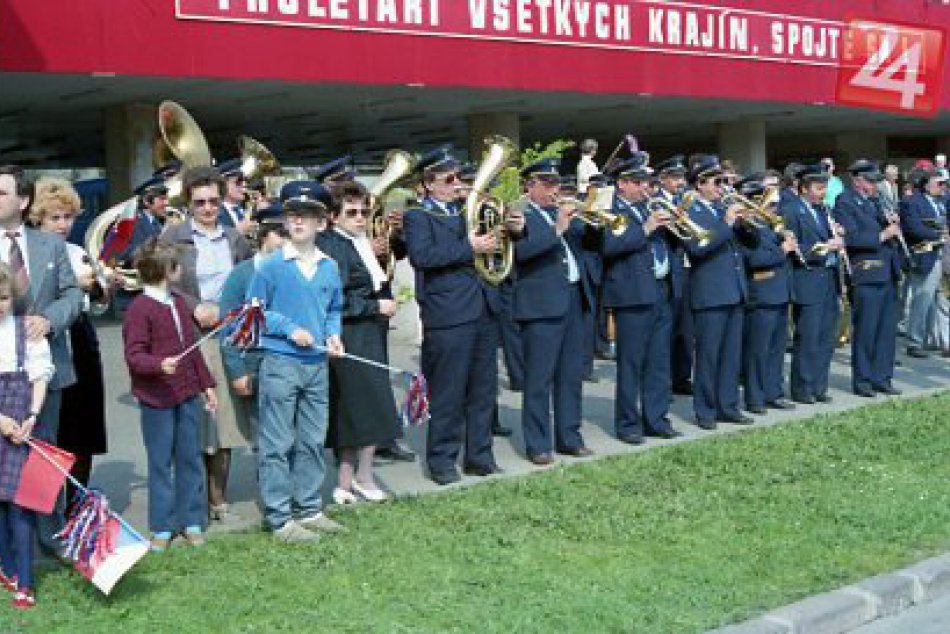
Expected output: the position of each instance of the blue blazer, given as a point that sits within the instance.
(143, 231)
(872, 262)
(807, 286)
(224, 217)
(541, 289)
(914, 211)
(628, 258)
(767, 268)
(448, 290)
(717, 277)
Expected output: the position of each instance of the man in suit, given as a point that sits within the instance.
(50, 299)
(816, 284)
(871, 239)
(888, 190)
(552, 295)
(924, 222)
(718, 293)
(671, 174)
(233, 211)
(639, 287)
(460, 335)
(766, 316)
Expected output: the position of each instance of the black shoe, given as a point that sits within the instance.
(804, 400)
(706, 424)
(737, 419)
(757, 409)
(823, 398)
(631, 439)
(445, 477)
(395, 452)
(888, 389)
(917, 353)
(683, 389)
(498, 430)
(577, 452)
(481, 470)
(664, 433)
(866, 392)
(781, 403)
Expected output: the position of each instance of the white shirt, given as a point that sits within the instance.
(307, 268)
(586, 168)
(365, 248)
(5, 247)
(38, 362)
(162, 296)
(79, 260)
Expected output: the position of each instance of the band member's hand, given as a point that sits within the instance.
(482, 243)
(86, 281)
(565, 213)
(211, 400)
(387, 307)
(732, 214)
(37, 327)
(380, 246)
(655, 221)
(206, 314)
(243, 386)
(790, 244)
(890, 231)
(836, 244)
(335, 346)
(515, 222)
(302, 338)
(395, 219)
(839, 229)
(246, 227)
(170, 365)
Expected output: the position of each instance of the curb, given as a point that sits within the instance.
(853, 606)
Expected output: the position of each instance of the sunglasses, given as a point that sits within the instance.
(203, 202)
(353, 213)
(548, 180)
(719, 182)
(448, 179)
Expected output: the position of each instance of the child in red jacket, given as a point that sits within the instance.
(157, 329)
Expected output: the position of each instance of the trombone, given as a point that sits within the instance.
(681, 225)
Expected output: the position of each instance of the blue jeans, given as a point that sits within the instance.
(16, 543)
(293, 410)
(172, 439)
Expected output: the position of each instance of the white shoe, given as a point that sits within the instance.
(321, 522)
(342, 496)
(370, 494)
(292, 532)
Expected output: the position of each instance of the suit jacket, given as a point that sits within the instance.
(807, 286)
(56, 296)
(448, 289)
(182, 234)
(542, 290)
(360, 299)
(629, 279)
(224, 216)
(889, 196)
(717, 277)
(914, 211)
(872, 262)
(767, 269)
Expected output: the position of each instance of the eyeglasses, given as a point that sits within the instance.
(203, 202)
(353, 213)
(719, 182)
(548, 180)
(448, 179)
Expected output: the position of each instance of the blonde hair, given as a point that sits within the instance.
(52, 194)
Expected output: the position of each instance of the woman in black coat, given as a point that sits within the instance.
(362, 409)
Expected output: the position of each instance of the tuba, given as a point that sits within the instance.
(182, 140)
(485, 214)
(396, 166)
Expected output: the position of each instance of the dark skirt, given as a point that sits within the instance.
(82, 419)
(362, 407)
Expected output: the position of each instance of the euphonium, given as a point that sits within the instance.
(396, 166)
(181, 139)
(485, 214)
(681, 225)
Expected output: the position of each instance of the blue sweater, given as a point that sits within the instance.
(290, 301)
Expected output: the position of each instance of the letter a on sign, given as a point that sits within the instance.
(894, 67)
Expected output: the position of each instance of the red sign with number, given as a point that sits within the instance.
(893, 67)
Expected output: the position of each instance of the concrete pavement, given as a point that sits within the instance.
(932, 618)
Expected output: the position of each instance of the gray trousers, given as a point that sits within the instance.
(924, 287)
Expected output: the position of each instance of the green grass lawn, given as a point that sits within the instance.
(675, 540)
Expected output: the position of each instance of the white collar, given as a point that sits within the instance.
(211, 235)
(21, 230)
(290, 252)
(159, 294)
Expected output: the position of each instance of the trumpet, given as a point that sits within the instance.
(928, 246)
(588, 213)
(681, 225)
(757, 213)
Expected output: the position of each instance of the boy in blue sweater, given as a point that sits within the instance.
(300, 290)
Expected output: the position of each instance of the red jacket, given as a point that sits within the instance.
(150, 336)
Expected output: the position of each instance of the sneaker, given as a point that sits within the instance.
(320, 522)
(194, 536)
(160, 542)
(24, 599)
(292, 532)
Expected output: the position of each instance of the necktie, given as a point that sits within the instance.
(21, 278)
